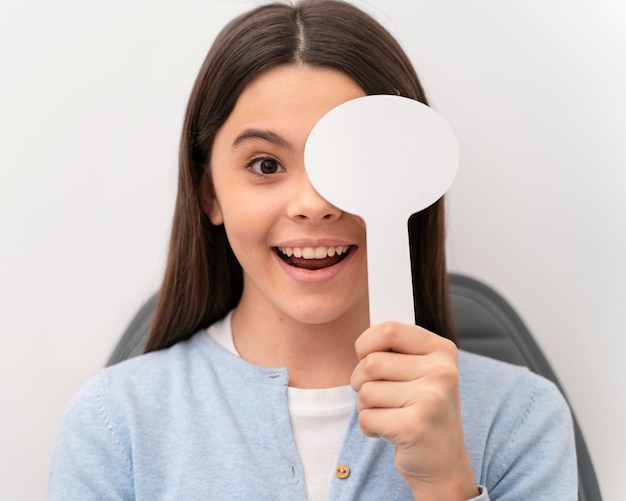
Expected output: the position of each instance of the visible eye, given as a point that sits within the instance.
(265, 166)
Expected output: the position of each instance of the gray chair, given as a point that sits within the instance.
(486, 324)
(134, 338)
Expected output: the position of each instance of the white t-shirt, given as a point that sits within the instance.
(319, 419)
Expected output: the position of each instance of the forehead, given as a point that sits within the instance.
(289, 100)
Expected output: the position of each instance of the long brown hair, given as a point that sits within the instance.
(203, 280)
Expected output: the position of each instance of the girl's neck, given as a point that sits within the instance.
(315, 355)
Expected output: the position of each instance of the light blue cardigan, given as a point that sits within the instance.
(197, 422)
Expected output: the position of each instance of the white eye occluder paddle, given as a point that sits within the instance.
(383, 158)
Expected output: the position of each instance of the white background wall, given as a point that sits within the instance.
(91, 100)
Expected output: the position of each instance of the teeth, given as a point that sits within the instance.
(314, 252)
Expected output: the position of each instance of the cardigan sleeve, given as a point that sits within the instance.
(90, 459)
(536, 459)
(518, 431)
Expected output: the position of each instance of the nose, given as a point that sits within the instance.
(306, 204)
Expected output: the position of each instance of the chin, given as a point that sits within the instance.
(314, 313)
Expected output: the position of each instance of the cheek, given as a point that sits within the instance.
(248, 219)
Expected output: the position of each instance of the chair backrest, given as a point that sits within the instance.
(487, 324)
(134, 339)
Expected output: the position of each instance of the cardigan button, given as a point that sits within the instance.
(342, 471)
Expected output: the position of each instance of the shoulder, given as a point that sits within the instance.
(476, 367)
(103, 418)
(500, 390)
(155, 367)
(480, 374)
(164, 384)
(143, 382)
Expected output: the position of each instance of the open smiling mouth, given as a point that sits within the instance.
(313, 258)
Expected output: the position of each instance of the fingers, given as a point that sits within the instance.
(400, 338)
(388, 366)
(391, 425)
(409, 389)
(416, 353)
(400, 412)
(382, 395)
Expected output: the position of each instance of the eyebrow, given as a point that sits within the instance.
(264, 135)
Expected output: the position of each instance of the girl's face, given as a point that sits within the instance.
(302, 258)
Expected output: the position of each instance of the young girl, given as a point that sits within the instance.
(263, 377)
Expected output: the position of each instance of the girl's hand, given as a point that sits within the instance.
(407, 381)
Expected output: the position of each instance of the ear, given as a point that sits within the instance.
(210, 205)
